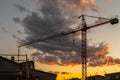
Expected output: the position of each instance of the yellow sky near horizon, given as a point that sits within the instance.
(75, 71)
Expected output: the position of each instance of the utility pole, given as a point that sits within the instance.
(27, 68)
(18, 53)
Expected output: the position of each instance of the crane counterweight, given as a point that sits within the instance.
(114, 21)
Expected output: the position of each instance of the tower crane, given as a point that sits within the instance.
(83, 30)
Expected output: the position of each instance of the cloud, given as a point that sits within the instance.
(19, 32)
(100, 57)
(18, 36)
(16, 20)
(52, 19)
(97, 56)
(3, 30)
(21, 8)
(75, 5)
(65, 73)
(104, 61)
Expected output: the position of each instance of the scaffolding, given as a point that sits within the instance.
(13, 57)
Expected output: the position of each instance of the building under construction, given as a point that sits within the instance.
(12, 70)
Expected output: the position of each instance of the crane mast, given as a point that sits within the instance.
(84, 48)
(84, 38)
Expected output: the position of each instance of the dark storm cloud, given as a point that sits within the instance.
(98, 56)
(45, 58)
(104, 61)
(35, 54)
(19, 32)
(52, 19)
(59, 58)
(99, 50)
(16, 20)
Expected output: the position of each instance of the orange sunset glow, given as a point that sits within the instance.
(102, 51)
(86, 2)
(62, 39)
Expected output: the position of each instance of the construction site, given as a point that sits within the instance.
(57, 37)
(24, 69)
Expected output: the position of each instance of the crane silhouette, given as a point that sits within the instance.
(83, 30)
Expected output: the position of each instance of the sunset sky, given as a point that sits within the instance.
(26, 20)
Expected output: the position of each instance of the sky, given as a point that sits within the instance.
(22, 21)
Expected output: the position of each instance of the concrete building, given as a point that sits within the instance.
(113, 76)
(11, 70)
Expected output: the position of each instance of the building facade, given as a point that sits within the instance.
(11, 70)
